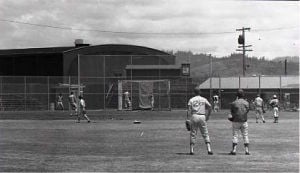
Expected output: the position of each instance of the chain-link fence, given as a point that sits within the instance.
(286, 88)
(26, 93)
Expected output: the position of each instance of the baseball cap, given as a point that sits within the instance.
(240, 93)
(197, 90)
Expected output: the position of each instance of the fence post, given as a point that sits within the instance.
(131, 81)
(48, 93)
(159, 91)
(239, 82)
(69, 91)
(219, 93)
(120, 92)
(259, 85)
(169, 94)
(1, 95)
(186, 93)
(280, 91)
(104, 77)
(25, 102)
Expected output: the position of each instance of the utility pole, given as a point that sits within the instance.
(285, 67)
(210, 76)
(241, 41)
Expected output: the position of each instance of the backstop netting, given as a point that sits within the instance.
(144, 94)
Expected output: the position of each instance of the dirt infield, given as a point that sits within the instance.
(160, 143)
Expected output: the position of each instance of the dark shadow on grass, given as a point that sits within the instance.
(183, 153)
(224, 154)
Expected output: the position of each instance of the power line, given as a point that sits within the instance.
(135, 33)
(275, 29)
(114, 32)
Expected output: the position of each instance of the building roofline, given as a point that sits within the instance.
(68, 49)
(147, 67)
(40, 50)
(106, 45)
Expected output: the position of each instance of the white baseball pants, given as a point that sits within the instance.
(240, 126)
(276, 112)
(198, 122)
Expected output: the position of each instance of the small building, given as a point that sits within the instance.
(285, 87)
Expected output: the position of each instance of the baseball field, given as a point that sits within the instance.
(52, 141)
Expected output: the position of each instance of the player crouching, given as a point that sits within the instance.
(82, 108)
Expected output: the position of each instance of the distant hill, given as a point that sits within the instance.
(232, 65)
(288, 58)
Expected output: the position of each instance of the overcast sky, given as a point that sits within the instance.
(202, 26)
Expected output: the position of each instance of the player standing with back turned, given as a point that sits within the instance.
(259, 108)
(82, 108)
(72, 101)
(198, 118)
(239, 110)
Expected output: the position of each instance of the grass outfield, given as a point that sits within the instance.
(160, 143)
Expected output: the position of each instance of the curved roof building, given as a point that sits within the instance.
(98, 60)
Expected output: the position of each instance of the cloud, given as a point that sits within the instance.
(165, 16)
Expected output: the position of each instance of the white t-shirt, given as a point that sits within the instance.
(258, 102)
(82, 103)
(274, 103)
(216, 99)
(126, 94)
(72, 98)
(197, 105)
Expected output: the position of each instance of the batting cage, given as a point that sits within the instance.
(144, 95)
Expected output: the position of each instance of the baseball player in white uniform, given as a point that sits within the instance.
(275, 106)
(198, 118)
(59, 104)
(216, 103)
(82, 108)
(151, 98)
(259, 108)
(127, 104)
(72, 101)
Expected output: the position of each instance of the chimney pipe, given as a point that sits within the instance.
(80, 43)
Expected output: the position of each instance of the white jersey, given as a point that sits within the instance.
(216, 99)
(59, 98)
(82, 103)
(197, 105)
(72, 98)
(274, 103)
(258, 102)
(126, 94)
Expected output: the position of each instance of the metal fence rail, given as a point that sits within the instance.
(30, 93)
(27, 93)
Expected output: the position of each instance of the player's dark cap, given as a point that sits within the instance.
(80, 97)
(240, 93)
(197, 90)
